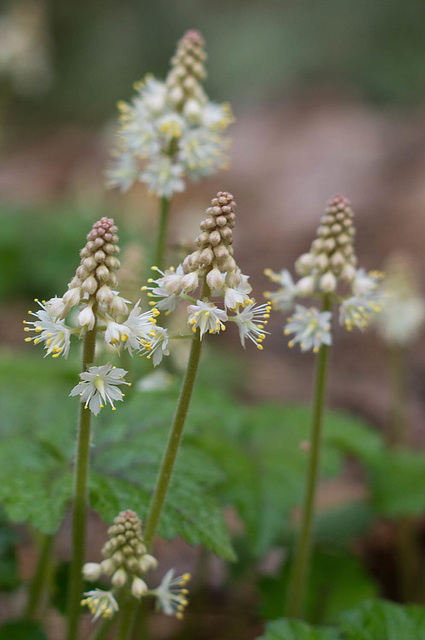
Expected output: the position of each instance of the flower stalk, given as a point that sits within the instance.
(300, 567)
(80, 498)
(161, 243)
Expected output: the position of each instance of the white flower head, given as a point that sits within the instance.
(102, 604)
(99, 385)
(155, 345)
(238, 295)
(311, 328)
(251, 322)
(207, 317)
(283, 298)
(202, 152)
(48, 329)
(171, 595)
(163, 176)
(365, 283)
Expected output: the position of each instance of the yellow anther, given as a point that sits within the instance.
(260, 347)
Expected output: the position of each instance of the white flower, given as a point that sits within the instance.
(235, 296)
(171, 125)
(53, 332)
(138, 326)
(305, 286)
(207, 317)
(311, 328)
(364, 283)
(100, 385)
(216, 116)
(167, 288)
(283, 298)
(154, 93)
(123, 171)
(86, 318)
(251, 321)
(171, 594)
(56, 307)
(356, 311)
(155, 345)
(116, 333)
(163, 177)
(102, 604)
(401, 319)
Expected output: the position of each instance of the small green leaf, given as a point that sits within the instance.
(296, 630)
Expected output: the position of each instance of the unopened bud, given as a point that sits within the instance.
(215, 279)
(89, 285)
(328, 282)
(119, 578)
(92, 571)
(86, 318)
(305, 286)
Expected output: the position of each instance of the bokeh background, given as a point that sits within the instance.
(328, 98)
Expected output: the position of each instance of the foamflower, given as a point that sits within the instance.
(310, 328)
(100, 385)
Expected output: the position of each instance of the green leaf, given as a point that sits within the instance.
(21, 630)
(380, 620)
(397, 480)
(296, 630)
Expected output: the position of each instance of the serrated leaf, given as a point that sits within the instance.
(296, 630)
(380, 620)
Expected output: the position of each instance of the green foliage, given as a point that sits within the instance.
(9, 577)
(331, 567)
(370, 620)
(297, 630)
(20, 630)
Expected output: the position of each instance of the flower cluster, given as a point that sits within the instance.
(171, 129)
(99, 306)
(212, 268)
(125, 563)
(403, 308)
(327, 271)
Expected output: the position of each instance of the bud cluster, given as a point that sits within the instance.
(213, 267)
(330, 261)
(187, 73)
(126, 561)
(331, 257)
(170, 129)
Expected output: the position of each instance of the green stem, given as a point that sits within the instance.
(80, 498)
(162, 232)
(174, 439)
(102, 629)
(408, 550)
(300, 567)
(41, 576)
(128, 613)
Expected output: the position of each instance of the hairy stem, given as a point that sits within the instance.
(80, 498)
(301, 563)
(164, 211)
(41, 577)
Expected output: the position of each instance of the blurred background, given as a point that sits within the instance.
(328, 98)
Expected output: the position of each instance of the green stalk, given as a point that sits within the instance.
(80, 498)
(408, 550)
(128, 613)
(162, 232)
(40, 578)
(173, 444)
(300, 568)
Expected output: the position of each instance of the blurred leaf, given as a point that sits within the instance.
(380, 620)
(21, 630)
(397, 480)
(297, 630)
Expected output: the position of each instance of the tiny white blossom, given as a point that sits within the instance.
(167, 288)
(311, 328)
(155, 345)
(102, 604)
(99, 385)
(237, 295)
(364, 283)
(202, 152)
(123, 171)
(207, 317)
(251, 322)
(357, 311)
(53, 332)
(283, 298)
(171, 595)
